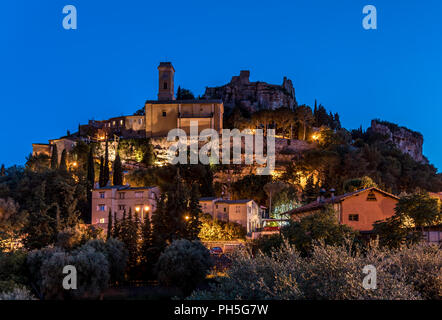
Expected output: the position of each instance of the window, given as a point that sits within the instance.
(102, 220)
(238, 209)
(121, 207)
(101, 207)
(353, 217)
(164, 113)
(102, 195)
(121, 122)
(225, 209)
(138, 194)
(217, 206)
(165, 85)
(122, 195)
(371, 196)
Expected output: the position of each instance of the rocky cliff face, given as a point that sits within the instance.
(253, 96)
(408, 141)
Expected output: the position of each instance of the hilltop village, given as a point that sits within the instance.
(236, 194)
(106, 199)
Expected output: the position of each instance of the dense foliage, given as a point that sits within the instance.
(331, 273)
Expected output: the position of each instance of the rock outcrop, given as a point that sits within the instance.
(253, 96)
(408, 141)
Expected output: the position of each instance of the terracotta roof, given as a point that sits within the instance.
(123, 188)
(234, 201)
(201, 101)
(318, 205)
(207, 198)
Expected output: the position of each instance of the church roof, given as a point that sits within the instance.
(202, 101)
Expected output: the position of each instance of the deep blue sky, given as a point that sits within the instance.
(51, 79)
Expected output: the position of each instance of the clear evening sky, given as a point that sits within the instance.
(52, 79)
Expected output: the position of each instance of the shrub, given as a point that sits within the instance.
(18, 293)
(46, 266)
(116, 254)
(12, 269)
(331, 273)
(184, 264)
(259, 277)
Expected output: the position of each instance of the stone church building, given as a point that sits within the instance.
(166, 113)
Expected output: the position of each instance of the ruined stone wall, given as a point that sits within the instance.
(253, 96)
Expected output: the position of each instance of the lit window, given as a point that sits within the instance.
(102, 220)
(121, 122)
(371, 196)
(353, 217)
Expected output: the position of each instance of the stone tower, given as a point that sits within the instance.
(166, 74)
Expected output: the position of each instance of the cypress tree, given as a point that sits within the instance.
(193, 223)
(168, 220)
(118, 171)
(90, 169)
(147, 250)
(109, 225)
(3, 171)
(116, 228)
(106, 165)
(101, 178)
(54, 157)
(63, 161)
(310, 191)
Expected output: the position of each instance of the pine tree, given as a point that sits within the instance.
(3, 171)
(54, 157)
(106, 165)
(63, 161)
(193, 223)
(109, 225)
(118, 171)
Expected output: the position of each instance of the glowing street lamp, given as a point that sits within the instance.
(146, 208)
(187, 217)
(137, 209)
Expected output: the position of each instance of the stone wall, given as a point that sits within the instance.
(408, 141)
(253, 96)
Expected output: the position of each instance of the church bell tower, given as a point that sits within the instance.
(166, 73)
